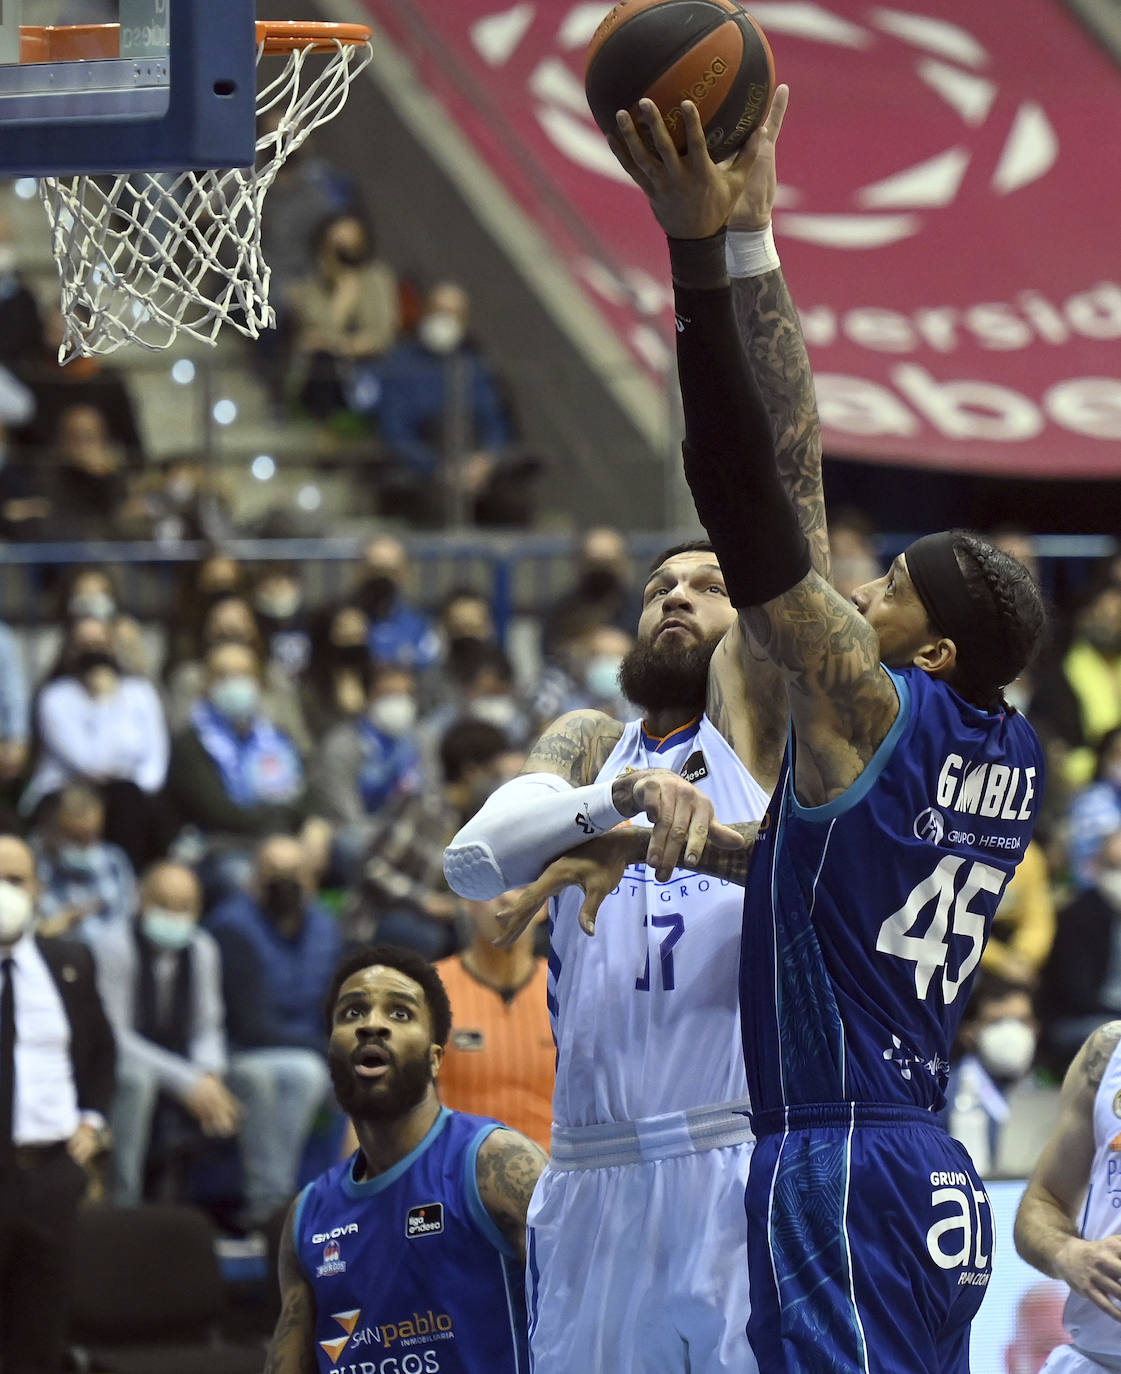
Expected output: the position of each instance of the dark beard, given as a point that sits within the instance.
(363, 1100)
(667, 677)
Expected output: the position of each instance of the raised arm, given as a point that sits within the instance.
(1046, 1231)
(507, 1169)
(841, 702)
(292, 1348)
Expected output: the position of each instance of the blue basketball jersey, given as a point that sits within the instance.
(865, 919)
(410, 1274)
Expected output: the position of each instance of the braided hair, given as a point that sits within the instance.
(1010, 602)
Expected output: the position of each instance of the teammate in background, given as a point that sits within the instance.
(906, 798)
(637, 1238)
(1068, 1224)
(414, 1244)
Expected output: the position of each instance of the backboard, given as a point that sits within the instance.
(91, 86)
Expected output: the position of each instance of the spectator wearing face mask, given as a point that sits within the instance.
(99, 725)
(363, 763)
(278, 600)
(91, 592)
(1080, 985)
(235, 775)
(480, 686)
(333, 689)
(279, 948)
(441, 411)
(345, 314)
(160, 979)
(231, 620)
(584, 674)
(398, 631)
(603, 593)
(15, 713)
(85, 884)
(995, 1051)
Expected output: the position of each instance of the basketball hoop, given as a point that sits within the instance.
(146, 256)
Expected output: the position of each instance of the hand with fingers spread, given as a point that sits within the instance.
(752, 210)
(691, 196)
(1093, 1268)
(682, 816)
(596, 868)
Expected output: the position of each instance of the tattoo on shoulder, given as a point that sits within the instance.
(575, 747)
(507, 1171)
(1099, 1051)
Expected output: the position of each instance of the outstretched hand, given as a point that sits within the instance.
(691, 196)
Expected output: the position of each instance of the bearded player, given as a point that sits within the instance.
(651, 1142)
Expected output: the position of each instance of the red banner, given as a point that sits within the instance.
(949, 216)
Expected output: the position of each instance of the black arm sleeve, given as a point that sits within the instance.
(729, 449)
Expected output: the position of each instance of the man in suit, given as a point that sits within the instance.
(56, 1085)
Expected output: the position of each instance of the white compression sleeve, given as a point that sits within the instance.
(520, 829)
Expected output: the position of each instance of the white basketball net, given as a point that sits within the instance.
(146, 256)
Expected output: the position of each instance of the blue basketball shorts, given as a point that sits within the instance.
(870, 1243)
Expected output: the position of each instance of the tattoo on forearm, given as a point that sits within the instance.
(730, 864)
(290, 1350)
(776, 353)
(576, 747)
(1099, 1051)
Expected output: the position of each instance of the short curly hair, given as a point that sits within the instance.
(1009, 605)
(405, 961)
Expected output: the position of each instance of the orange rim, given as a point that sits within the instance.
(92, 42)
(283, 36)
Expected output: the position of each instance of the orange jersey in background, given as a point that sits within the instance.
(500, 1057)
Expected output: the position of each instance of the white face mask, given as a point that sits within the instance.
(168, 929)
(77, 856)
(602, 675)
(280, 604)
(440, 332)
(96, 605)
(1006, 1047)
(16, 910)
(495, 710)
(237, 698)
(8, 258)
(1108, 883)
(393, 714)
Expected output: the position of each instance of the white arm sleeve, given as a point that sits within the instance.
(520, 829)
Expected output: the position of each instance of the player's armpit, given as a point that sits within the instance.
(575, 747)
(507, 1169)
(842, 703)
(746, 702)
(292, 1347)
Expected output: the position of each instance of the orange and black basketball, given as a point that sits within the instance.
(708, 51)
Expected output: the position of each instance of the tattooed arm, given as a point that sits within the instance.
(507, 1169)
(597, 869)
(575, 747)
(1046, 1231)
(292, 1348)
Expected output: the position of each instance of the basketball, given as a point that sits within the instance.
(709, 51)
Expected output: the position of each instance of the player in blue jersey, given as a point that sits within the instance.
(907, 796)
(409, 1255)
(638, 1245)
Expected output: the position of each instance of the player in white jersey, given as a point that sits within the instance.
(637, 1239)
(1069, 1221)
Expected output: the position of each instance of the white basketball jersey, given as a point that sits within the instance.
(1090, 1329)
(646, 1012)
